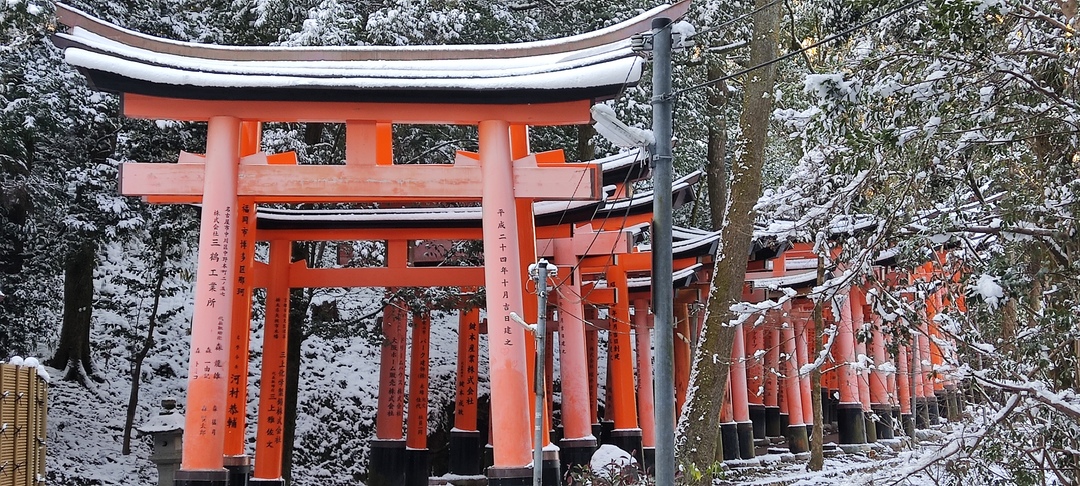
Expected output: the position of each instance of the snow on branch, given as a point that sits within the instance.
(957, 444)
(1066, 402)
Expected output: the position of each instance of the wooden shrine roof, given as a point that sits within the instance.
(547, 213)
(592, 66)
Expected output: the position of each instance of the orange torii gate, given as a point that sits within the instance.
(627, 284)
(399, 227)
(557, 223)
(877, 393)
(367, 89)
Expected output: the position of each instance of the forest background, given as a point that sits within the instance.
(933, 126)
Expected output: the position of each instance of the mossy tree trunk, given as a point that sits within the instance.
(73, 354)
(698, 426)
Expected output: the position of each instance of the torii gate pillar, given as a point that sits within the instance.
(502, 273)
(849, 416)
(465, 439)
(578, 443)
(204, 441)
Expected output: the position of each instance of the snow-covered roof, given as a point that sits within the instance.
(682, 277)
(768, 280)
(690, 242)
(682, 192)
(624, 167)
(593, 66)
(547, 213)
(166, 422)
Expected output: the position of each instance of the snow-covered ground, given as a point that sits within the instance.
(338, 397)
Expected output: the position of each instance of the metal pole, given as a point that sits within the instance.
(663, 293)
(540, 376)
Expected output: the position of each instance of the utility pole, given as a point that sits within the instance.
(539, 272)
(663, 293)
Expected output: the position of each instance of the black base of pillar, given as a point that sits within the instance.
(935, 408)
(797, 440)
(489, 456)
(576, 452)
(785, 422)
(417, 467)
(650, 460)
(465, 447)
(202, 478)
(386, 466)
(772, 422)
(729, 434)
(922, 413)
(827, 407)
(239, 468)
(552, 474)
(605, 431)
(908, 422)
(628, 440)
(829, 403)
(509, 476)
(757, 418)
(850, 423)
(870, 426)
(809, 431)
(951, 412)
(266, 482)
(883, 427)
(746, 439)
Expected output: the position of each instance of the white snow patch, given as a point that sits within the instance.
(989, 289)
(608, 456)
(31, 363)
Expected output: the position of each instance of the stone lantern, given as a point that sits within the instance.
(167, 429)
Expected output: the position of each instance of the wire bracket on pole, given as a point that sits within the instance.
(642, 42)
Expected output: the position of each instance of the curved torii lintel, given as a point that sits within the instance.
(549, 82)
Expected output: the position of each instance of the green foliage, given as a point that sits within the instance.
(692, 475)
(952, 128)
(611, 474)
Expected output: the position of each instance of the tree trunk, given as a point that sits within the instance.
(698, 424)
(586, 151)
(1008, 326)
(817, 454)
(148, 344)
(716, 176)
(73, 354)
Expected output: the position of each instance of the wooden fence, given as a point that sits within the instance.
(22, 426)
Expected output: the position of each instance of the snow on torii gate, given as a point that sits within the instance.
(493, 87)
(557, 223)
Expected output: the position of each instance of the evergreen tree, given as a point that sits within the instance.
(952, 125)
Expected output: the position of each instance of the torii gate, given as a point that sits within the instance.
(556, 223)
(366, 88)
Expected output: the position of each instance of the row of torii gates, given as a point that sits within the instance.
(532, 205)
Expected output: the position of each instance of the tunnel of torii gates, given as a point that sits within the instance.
(500, 89)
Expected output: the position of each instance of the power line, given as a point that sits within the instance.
(826, 40)
(726, 23)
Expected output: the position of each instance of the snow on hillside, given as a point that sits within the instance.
(338, 396)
